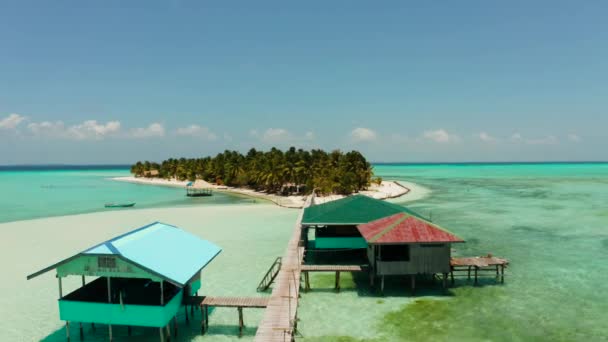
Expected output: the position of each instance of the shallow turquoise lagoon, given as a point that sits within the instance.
(44, 193)
(549, 220)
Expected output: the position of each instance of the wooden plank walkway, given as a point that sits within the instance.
(306, 269)
(331, 268)
(477, 264)
(230, 302)
(280, 318)
(235, 302)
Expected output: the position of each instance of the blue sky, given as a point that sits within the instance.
(116, 81)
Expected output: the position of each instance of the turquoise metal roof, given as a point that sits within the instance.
(165, 250)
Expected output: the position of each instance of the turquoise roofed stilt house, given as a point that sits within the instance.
(140, 278)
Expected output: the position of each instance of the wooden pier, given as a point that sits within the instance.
(280, 318)
(230, 302)
(306, 269)
(478, 264)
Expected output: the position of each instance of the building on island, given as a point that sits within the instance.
(140, 278)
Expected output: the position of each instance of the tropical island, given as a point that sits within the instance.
(283, 177)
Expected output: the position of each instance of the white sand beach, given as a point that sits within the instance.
(404, 191)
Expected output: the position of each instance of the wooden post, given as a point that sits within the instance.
(60, 288)
(338, 281)
(476, 268)
(186, 311)
(306, 281)
(175, 325)
(469, 273)
(502, 274)
(452, 274)
(109, 301)
(413, 280)
(129, 330)
(67, 330)
(162, 298)
(162, 335)
(93, 326)
(83, 282)
(81, 332)
(496, 271)
(382, 285)
(445, 281)
(207, 316)
(203, 320)
(168, 330)
(241, 323)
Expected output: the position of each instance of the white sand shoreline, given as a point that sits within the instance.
(388, 189)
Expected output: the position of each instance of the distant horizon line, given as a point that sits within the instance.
(121, 165)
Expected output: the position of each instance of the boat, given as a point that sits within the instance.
(119, 205)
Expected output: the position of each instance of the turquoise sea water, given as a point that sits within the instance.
(549, 220)
(27, 194)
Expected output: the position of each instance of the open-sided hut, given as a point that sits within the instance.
(140, 278)
(404, 244)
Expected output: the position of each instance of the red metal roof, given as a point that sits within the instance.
(404, 228)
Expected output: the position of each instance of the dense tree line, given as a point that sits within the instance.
(273, 171)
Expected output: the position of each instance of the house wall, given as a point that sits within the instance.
(423, 260)
(105, 313)
(88, 265)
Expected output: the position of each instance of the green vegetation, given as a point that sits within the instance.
(275, 171)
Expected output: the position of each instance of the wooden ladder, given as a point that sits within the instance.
(270, 275)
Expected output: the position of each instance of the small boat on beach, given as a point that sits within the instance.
(119, 205)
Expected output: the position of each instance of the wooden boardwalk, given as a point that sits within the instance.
(230, 302)
(306, 269)
(280, 318)
(477, 264)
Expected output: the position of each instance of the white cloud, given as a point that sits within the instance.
(276, 135)
(153, 130)
(485, 137)
(547, 140)
(89, 129)
(196, 131)
(440, 136)
(309, 135)
(11, 121)
(361, 134)
(574, 137)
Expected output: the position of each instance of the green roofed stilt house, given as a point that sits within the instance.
(393, 239)
(140, 278)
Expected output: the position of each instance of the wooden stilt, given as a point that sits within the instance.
(192, 310)
(203, 321)
(81, 332)
(382, 285)
(206, 316)
(338, 281)
(168, 331)
(175, 326)
(306, 281)
(93, 326)
(241, 323)
(67, 330)
(445, 281)
(129, 330)
(162, 335)
(186, 312)
(413, 280)
(452, 274)
(476, 268)
(469, 273)
(496, 271)
(502, 274)
(110, 333)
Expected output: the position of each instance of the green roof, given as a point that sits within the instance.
(352, 210)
